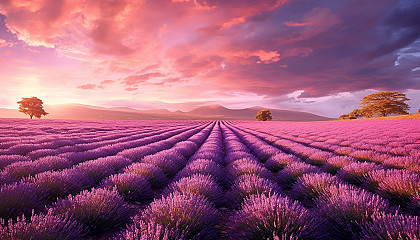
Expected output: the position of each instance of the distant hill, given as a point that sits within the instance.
(210, 112)
(218, 111)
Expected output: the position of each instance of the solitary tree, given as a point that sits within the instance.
(32, 106)
(383, 104)
(263, 115)
(380, 104)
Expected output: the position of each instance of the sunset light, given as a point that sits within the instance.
(210, 119)
(151, 54)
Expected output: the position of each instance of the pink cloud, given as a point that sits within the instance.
(141, 78)
(88, 86)
(3, 43)
(198, 49)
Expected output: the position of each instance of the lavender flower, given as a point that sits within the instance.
(115, 162)
(414, 204)
(391, 227)
(199, 184)
(98, 209)
(277, 162)
(335, 163)
(272, 217)
(354, 172)
(61, 183)
(288, 176)
(54, 163)
(411, 163)
(310, 186)
(248, 166)
(133, 187)
(170, 162)
(19, 170)
(186, 148)
(346, 208)
(203, 166)
(42, 153)
(399, 186)
(20, 198)
(95, 169)
(42, 227)
(154, 175)
(190, 213)
(213, 155)
(265, 152)
(5, 178)
(233, 156)
(135, 154)
(9, 159)
(141, 230)
(247, 185)
(370, 156)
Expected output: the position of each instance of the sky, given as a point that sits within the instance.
(319, 56)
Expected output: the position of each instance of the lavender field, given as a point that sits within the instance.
(63, 179)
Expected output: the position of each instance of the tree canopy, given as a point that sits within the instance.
(263, 115)
(32, 106)
(380, 104)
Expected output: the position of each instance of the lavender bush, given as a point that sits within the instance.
(9, 159)
(346, 208)
(310, 186)
(274, 217)
(277, 162)
(354, 172)
(391, 227)
(289, 175)
(192, 214)
(98, 209)
(42, 227)
(141, 230)
(154, 175)
(170, 162)
(199, 184)
(61, 183)
(247, 166)
(247, 185)
(54, 163)
(20, 198)
(133, 187)
(332, 165)
(203, 166)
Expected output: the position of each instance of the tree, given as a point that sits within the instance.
(263, 115)
(32, 106)
(418, 111)
(380, 104)
(355, 114)
(383, 104)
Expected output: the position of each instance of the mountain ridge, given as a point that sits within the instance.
(207, 112)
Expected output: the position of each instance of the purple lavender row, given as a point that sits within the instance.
(185, 210)
(57, 146)
(366, 205)
(355, 173)
(94, 169)
(94, 217)
(401, 188)
(371, 138)
(263, 212)
(18, 170)
(79, 136)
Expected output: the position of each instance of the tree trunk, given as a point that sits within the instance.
(31, 116)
